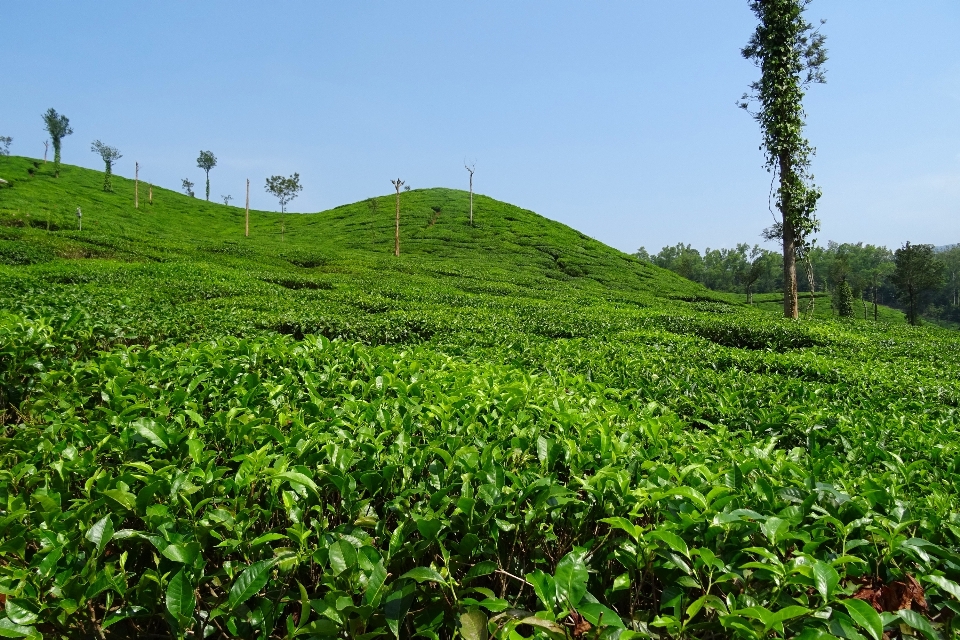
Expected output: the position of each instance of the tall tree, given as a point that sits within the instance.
(109, 155)
(790, 53)
(285, 190)
(206, 161)
(396, 238)
(916, 270)
(58, 126)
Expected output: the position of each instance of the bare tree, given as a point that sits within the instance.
(470, 169)
(396, 241)
(227, 199)
(246, 232)
(46, 147)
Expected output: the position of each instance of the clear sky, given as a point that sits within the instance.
(617, 118)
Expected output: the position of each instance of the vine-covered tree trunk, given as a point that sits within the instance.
(790, 301)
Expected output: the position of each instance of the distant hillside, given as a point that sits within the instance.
(278, 277)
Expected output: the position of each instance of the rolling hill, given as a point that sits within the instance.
(511, 428)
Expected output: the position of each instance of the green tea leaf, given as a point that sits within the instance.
(10, 629)
(865, 616)
(151, 432)
(101, 533)
(473, 625)
(20, 612)
(571, 578)
(184, 553)
(424, 574)
(825, 578)
(946, 584)
(250, 582)
(918, 622)
(343, 556)
(181, 600)
(395, 606)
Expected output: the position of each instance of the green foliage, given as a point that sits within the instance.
(234, 437)
(284, 189)
(109, 155)
(790, 53)
(206, 161)
(58, 127)
(5, 142)
(187, 187)
(843, 299)
(917, 271)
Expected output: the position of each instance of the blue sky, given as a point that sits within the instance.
(617, 118)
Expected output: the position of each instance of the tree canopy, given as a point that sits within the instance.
(284, 189)
(206, 161)
(58, 126)
(109, 155)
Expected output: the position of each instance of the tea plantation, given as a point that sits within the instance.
(509, 431)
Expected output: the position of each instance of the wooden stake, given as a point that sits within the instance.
(471, 168)
(151, 194)
(136, 186)
(247, 232)
(396, 240)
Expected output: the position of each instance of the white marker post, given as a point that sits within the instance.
(80, 219)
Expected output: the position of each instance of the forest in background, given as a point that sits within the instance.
(865, 267)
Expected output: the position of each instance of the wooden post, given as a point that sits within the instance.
(247, 231)
(136, 186)
(150, 192)
(396, 240)
(471, 168)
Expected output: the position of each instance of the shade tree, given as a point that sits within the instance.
(790, 53)
(284, 190)
(206, 161)
(109, 155)
(917, 270)
(58, 127)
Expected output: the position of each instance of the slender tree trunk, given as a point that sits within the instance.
(875, 303)
(136, 186)
(471, 198)
(208, 186)
(46, 145)
(56, 159)
(396, 235)
(247, 215)
(790, 303)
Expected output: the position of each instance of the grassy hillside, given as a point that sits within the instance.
(509, 429)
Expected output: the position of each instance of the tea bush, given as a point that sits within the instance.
(202, 441)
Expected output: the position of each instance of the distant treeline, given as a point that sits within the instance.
(866, 268)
